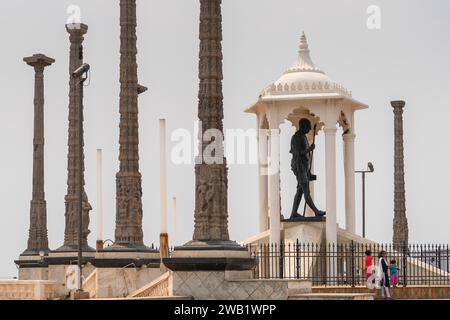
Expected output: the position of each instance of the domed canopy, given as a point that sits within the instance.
(304, 77)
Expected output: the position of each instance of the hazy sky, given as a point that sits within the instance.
(407, 59)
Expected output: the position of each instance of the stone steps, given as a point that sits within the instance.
(332, 296)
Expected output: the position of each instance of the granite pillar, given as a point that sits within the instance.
(38, 238)
(400, 221)
(76, 32)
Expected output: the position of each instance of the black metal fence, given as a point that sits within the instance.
(344, 264)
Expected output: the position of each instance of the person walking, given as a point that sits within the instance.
(368, 264)
(383, 275)
(393, 273)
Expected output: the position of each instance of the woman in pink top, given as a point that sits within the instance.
(368, 263)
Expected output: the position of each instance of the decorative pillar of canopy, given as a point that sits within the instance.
(274, 183)
(305, 91)
(330, 184)
(349, 172)
(263, 151)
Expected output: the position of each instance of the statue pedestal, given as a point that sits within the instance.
(210, 264)
(304, 230)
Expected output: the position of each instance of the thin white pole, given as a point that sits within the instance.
(99, 202)
(174, 235)
(162, 176)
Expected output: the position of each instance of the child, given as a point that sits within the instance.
(393, 272)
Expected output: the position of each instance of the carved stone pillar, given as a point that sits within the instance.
(210, 248)
(76, 32)
(38, 239)
(128, 233)
(211, 212)
(400, 221)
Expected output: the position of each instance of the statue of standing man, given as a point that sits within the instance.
(301, 166)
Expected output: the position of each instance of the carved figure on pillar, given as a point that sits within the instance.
(301, 167)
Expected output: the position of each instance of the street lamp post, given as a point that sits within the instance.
(370, 169)
(78, 74)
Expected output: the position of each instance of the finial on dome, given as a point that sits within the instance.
(304, 61)
(303, 43)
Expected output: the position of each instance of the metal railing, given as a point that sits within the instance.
(344, 264)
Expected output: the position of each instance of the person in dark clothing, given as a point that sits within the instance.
(300, 166)
(384, 275)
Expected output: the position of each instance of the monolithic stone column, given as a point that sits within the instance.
(38, 239)
(128, 232)
(400, 221)
(211, 212)
(76, 32)
(349, 171)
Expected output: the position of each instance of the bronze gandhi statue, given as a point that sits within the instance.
(301, 166)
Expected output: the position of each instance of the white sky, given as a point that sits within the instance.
(407, 59)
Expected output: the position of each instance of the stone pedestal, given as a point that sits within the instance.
(32, 267)
(303, 231)
(200, 256)
(221, 285)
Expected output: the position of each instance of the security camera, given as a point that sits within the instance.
(81, 70)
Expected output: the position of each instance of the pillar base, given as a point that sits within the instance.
(74, 248)
(127, 259)
(126, 247)
(198, 255)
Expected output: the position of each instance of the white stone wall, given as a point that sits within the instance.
(27, 290)
(33, 273)
(120, 282)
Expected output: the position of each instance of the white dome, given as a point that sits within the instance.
(304, 77)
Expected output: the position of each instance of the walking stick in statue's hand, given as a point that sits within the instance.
(310, 163)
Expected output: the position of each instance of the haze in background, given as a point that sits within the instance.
(407, 59)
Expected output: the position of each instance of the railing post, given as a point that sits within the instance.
(281, 259)
(297, 259)
(352, 263)
(405, 262)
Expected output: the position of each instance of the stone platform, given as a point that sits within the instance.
(220, 285)
(118, 272)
